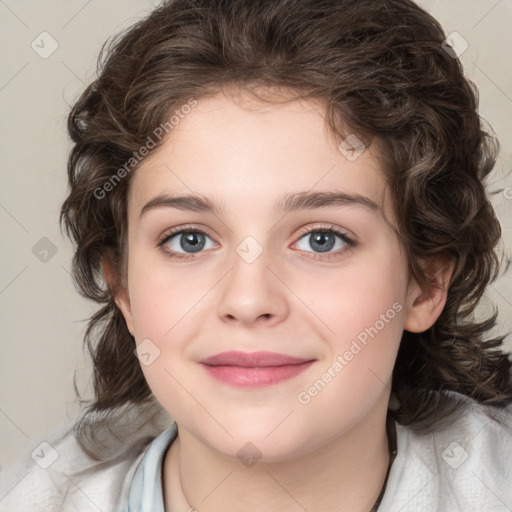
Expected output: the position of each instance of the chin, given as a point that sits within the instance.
(262, 444)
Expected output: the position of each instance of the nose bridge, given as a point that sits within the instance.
(251, 292)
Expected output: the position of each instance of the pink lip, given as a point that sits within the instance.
(254, 369)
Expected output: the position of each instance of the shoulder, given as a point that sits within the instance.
(465, 465)
(55, 473)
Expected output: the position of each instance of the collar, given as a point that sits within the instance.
(146, 491)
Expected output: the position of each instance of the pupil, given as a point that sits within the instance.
(321, 241)
(195, 240)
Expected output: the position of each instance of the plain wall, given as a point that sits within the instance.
(42, 316)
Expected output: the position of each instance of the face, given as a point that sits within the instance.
(261, 315)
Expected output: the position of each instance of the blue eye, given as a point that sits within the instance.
(186, 241)
(324, 240)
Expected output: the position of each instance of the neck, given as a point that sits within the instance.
(346, 474)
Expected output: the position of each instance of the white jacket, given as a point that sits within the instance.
(466, 466)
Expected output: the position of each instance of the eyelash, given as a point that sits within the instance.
(305, 231)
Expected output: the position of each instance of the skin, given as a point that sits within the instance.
(328, 454)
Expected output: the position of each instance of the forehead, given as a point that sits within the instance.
(237, 150)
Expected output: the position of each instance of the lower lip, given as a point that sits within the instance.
(255, 377)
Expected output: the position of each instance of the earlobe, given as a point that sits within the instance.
(425, 305)
(120, 293)
(123, 303)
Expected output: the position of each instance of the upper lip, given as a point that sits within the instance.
(252, 359)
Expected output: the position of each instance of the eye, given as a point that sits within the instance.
(324, 240)
(185, 242)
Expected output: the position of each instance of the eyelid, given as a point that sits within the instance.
(326, 227)
(180, 229)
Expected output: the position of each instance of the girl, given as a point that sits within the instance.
(280, 206)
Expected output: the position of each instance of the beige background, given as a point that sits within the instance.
(41, 314)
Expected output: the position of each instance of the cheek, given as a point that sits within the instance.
(163, 315)
(160, 299)
(168, 308)
(366, 293)
(362, 308)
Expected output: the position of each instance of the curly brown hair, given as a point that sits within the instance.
(381, 68)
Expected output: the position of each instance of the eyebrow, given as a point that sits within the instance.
(285, 204)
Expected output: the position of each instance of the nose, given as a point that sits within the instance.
(253, 293)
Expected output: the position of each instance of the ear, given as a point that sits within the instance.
(425, 305)
(120, 292)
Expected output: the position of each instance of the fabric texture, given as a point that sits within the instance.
(465, 466)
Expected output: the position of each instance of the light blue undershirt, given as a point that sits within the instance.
(146, 494)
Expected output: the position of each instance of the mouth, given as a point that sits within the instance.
(254, 369)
